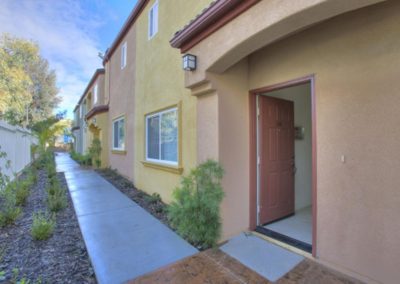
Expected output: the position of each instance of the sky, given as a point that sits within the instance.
(70, 34)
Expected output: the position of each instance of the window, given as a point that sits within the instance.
(123, 55)
(95, 98)
(153, 20)
(119, 134)
(162, 137)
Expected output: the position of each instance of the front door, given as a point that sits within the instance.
(276, 151)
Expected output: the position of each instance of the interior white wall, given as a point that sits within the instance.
(301, 96)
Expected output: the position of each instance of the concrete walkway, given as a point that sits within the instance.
(123, 240)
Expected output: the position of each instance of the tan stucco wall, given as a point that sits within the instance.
(121, 99)
(159, 84)
(355, 58)
(264, 23)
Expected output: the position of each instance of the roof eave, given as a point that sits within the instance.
(125, 28)
(92, 80)
(210, 20)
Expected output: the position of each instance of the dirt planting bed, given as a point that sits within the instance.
(60, 259)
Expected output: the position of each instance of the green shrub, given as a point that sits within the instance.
(32, 176)
(153, 199)
(22, 191)
(84, 160)
(54, 182)
(4, 178)
(195, 212)
(9, 211)
(56, 198)
(95, 152)
(45, 158)
(42, 226)
(51, 170)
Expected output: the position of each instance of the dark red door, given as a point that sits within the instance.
(276, 150)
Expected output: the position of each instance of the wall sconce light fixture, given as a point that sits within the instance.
(189, 62)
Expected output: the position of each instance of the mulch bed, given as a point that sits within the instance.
(155, 207)
(61, 259)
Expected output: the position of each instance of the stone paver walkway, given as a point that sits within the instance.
(216, 267)
(123, 240)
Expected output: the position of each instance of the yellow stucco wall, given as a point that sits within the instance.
(355, 58)
(101, 125)
(159, 84)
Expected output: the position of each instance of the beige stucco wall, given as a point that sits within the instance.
(159, 84)
(120, 93)
(355, 58)
(264, 23)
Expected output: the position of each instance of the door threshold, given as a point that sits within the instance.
(285, 239)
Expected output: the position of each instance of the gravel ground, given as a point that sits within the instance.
(61, 259)
(155, 207)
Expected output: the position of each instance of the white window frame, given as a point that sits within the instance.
(113, 128)
(153, 20)
(159, 114)
(124, 52)
(95, 94)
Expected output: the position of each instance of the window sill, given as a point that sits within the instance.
(119, 152)
(163, 167)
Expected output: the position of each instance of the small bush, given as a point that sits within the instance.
(45, 158)
(54, 182)
(153, 199)
(22, 191)
(42, 226)
(84, 160)
(95, 152)
(32, 176)
(51, 170)
(56, 198)
(9, 211)
(195, 211)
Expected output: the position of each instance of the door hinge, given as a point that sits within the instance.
(258, 160)
(258, 209)
(258, 110)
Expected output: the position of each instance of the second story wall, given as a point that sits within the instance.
(120, 87)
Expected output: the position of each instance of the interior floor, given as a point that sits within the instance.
(298, 226)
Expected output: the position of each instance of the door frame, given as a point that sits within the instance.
(254, 151)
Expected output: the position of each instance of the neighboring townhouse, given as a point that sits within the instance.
(91, 117)
(152, 117)
(97, 116)
(300, 103)
(77, 130)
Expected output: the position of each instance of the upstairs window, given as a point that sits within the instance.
(162, 137)
(153, 20)
(123, 55)
(95, 95)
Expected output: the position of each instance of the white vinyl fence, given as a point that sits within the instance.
(16, 143)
